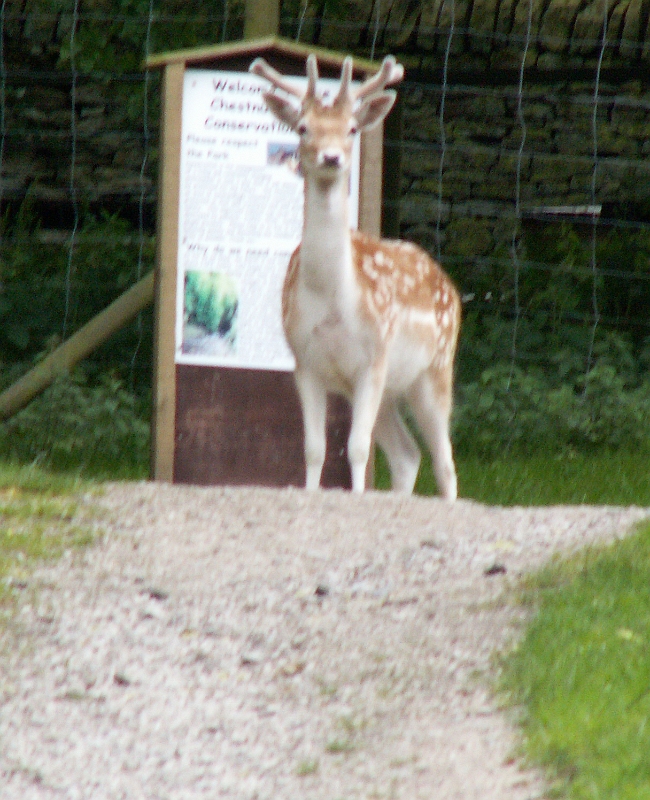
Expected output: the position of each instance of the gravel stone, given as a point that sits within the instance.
(260, 644)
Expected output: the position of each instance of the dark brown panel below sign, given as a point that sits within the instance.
(244, 427)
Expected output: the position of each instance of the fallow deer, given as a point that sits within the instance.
(374, 320)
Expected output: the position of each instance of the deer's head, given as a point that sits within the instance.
(327, 130)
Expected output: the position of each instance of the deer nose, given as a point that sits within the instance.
(331, 158)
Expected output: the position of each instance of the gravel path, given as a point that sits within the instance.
(251, 643)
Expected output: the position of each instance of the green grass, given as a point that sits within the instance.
(38, 520)
(601, 477)
(581, 674)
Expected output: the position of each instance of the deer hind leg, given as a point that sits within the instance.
(430, 399)
(313, 399)
(400, 447)
(365, 406)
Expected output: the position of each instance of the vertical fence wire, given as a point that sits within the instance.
(146, 137)
(301, 20)
(224, 21)
(375, 31)
(444, 88)
(3, 99)
(72, 187)
(595, 307)
(516, 228)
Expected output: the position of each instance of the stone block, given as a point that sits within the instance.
(573, 144)
(550, 61)
(552, 192)
(468, 238)
(423, 209)
(549, 169)
(538, 113)
(506, 58)
(495, 190)
(450, 189)
(479, 208)
(507, 164)
(580, 183)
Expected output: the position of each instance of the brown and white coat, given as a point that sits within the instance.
(374, 320)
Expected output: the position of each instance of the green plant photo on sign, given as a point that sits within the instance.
(210, 313)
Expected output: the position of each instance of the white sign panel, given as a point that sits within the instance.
(241, 204)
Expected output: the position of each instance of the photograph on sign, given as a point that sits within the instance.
(211, 302)
(240, 218)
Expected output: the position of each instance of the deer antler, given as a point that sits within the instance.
(264, 70)
(312, 76)
(344, 95)
(390, 72)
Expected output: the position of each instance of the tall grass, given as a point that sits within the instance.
(603, 476)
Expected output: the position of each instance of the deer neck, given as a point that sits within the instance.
(326, 248)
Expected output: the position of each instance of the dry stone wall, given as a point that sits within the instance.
(470, 205)
(108, 146)
(467, 207)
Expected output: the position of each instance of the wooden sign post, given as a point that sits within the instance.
(229, 216)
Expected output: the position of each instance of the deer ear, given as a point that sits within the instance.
(282, 109)
(374, 109)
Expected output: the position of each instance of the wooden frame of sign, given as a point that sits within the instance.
(224, 425)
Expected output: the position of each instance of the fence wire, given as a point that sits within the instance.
(72, 185)
(3, 100)
(441, 122)
(514, 247)
(594, 177)
(439, 131)
(146, 140)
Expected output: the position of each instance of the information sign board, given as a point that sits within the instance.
(230, 202)
(240, 218)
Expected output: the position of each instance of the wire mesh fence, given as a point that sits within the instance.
(522, 152)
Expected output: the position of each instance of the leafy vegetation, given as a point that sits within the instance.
(509, 409)
(110, 35)
(42, 300)
(99, 430)
(580, 676)
(549, 377)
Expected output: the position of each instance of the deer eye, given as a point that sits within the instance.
(354, 129)
(301, 130)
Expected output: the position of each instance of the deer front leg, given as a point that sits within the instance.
(313, 399)
(365, 406)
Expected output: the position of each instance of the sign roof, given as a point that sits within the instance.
(212, 54)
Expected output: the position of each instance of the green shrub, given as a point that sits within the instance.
(95, 429)
(39, 294)
(607, 405)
